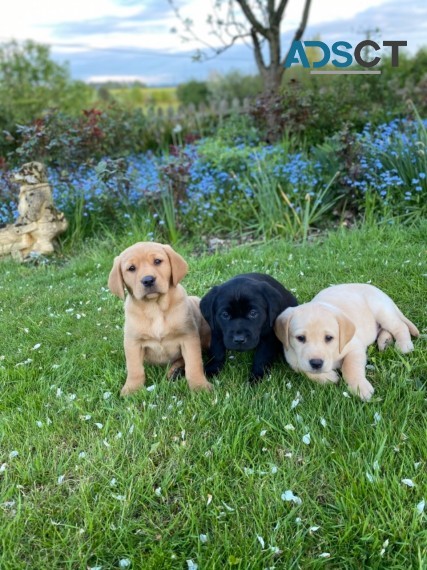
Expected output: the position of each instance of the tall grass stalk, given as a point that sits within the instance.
(169, 216)
(276, 214)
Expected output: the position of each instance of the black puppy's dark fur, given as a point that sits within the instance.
(241, 313)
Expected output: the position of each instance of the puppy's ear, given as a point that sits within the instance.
(178, 265)
(274, 302)
(347, 330)
(207, 307)
(281, 326)
(115, 280)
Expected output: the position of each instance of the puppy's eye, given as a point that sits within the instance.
(328, 338)
(132, 268)
(225, 315)
(253, 314)
(157, 261)
(301, 338)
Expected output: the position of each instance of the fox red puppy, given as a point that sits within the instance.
(163, 325)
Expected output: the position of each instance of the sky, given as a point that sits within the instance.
(132, 40)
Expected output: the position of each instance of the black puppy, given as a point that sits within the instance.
(241, 313)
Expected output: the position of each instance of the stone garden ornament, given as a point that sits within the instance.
(39, 222)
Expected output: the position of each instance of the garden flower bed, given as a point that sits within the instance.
(218, 187)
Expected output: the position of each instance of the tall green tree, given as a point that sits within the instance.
(31, 82)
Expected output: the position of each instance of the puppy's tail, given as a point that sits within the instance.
(412, 328)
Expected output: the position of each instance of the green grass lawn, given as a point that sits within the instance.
(171, 479)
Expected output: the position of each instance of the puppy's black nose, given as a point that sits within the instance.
(148, 281)
(316, 363)
(239, 339)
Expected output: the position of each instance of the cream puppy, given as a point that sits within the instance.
(334, 330)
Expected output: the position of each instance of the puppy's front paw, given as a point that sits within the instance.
(405, 347)
(255, 378)
(325, 377)
(384, 340)
(199, 386)
(132, 386)
(176, 373)
(331, 376)
(212, 369)
(363, 389)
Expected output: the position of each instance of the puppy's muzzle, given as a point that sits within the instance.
(148, 281)
(239, 339)
(316, 363)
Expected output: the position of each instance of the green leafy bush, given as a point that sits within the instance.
(193, 91)
(31, 83)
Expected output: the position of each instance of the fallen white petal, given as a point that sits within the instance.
(306, 439)
(118, 497)
(203, 538)
(13, 454)
(124, 563)
(325, 555)
(408, 482)
(151, 388)
(262, 432)
(289, 496)
(106, 395)
(377, 418)
(158, 491)
(191, 565)
(323, 422)
(61, 479)
(314, 528)
(36, 346)
(261, 541)
(420, 507)
(289, 427)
